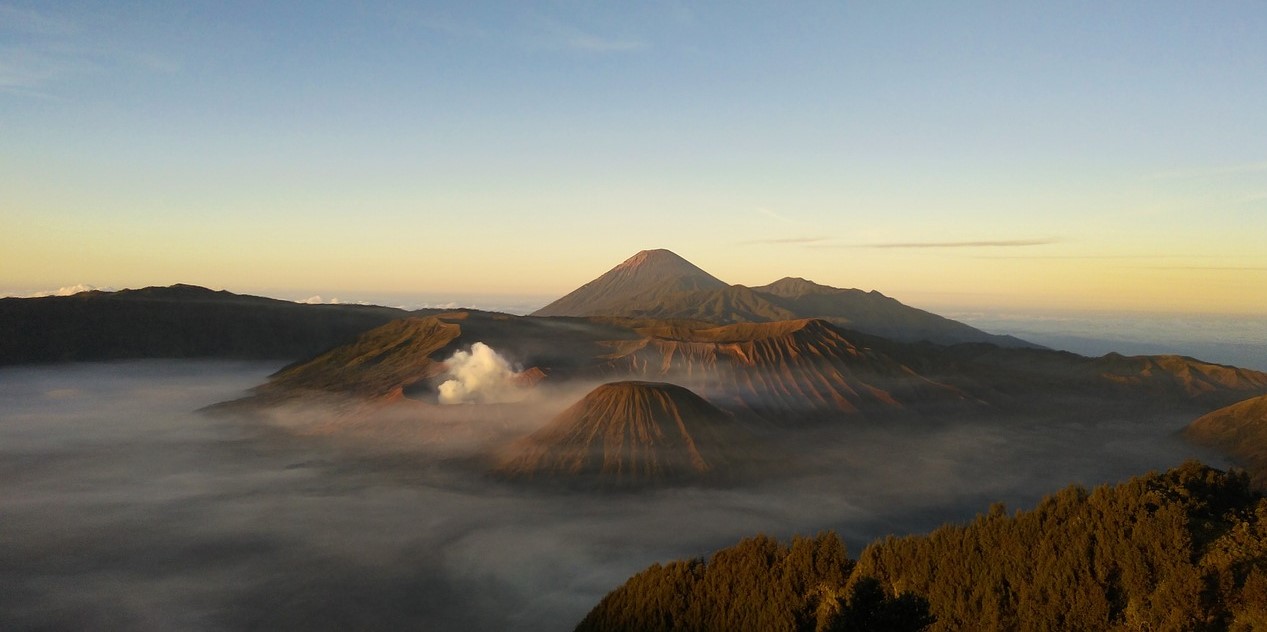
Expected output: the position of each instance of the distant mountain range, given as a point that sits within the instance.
(188, 321)
(783, 372)
(777, 357)
(768, 378)
(660, 284)
(180, 321)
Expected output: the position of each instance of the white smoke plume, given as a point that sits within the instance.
(480, 376)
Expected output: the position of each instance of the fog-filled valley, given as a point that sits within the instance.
(123, 507)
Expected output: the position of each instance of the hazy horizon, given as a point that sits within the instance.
(1233, 339)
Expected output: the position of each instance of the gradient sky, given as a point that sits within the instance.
(1032, 155)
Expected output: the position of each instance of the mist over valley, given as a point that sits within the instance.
(124, 507)
(458, 470)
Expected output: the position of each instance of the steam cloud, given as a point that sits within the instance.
(480, 376)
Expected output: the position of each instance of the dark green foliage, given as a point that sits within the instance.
(1181, 550)
(758, 584)
(1160, 552)
(867, 607)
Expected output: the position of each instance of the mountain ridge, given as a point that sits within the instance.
(1238, 430)
(178, 321)
(662, 284)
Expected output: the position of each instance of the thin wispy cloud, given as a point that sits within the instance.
(1071, 257)
(55, 52)
(553, 34)
(450, 27)
(29, 93)
(155, 63)
(604, 45)
(33, 22)
(769, 213)
(787, 240)
(1209, 268)
(536, 32)
(27, 69)
(26, 72)
(1209, 172)
(997, 243)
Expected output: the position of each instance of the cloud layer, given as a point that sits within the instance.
(172, 520)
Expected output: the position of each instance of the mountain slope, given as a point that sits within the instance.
(873, 313)
(180, 321)
(406, 357)
(660, 284)
(390, 358)
(629, 434)
(1059, 381)
(1240, 430)
(783, 371)
(647, 278)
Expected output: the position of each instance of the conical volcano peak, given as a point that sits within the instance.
(629, 433)
(647, 278)
(661, 263)
(656, 257)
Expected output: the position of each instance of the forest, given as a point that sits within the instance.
(1183, 549)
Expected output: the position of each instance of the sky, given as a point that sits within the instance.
(1082, 155)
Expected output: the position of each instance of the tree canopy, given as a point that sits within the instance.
(1184, 549)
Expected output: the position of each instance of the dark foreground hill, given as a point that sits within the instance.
(628, 434)
(180, 321)
(1181, 550)
(660, 284)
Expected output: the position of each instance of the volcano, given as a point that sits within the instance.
(651, 277)
(630, 434)
(659, 284)
(784, 372)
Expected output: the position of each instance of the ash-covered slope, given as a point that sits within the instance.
(180, 321)
(629, 434)
(660, 284)
(406, 357)
(1240, 430)
(386, 359)
(783, 371)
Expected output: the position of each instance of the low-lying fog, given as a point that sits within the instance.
(1238, 340)
(121, 508)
